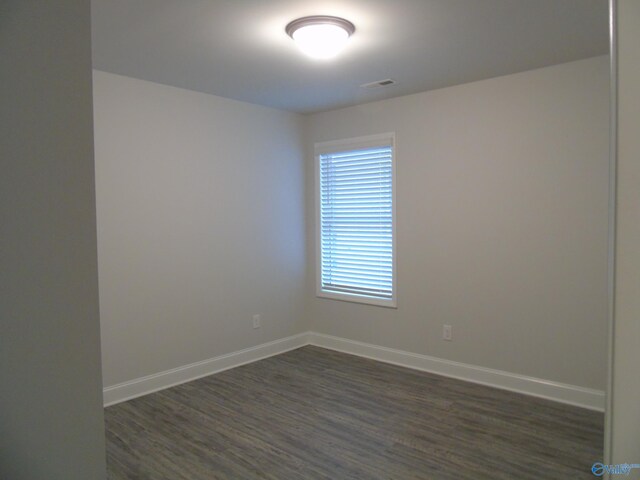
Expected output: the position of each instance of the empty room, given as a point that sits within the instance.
(321, 240)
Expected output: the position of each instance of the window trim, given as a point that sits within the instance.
(368, 141)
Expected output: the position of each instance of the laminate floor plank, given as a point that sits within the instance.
(318, 414)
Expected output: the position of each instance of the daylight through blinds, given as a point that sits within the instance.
(356, 221)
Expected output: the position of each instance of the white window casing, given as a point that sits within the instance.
(355, 220)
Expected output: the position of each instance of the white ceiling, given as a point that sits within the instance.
(238, 48)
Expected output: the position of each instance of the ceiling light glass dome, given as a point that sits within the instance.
(320, 37)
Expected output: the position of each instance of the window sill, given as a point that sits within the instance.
(358, 299)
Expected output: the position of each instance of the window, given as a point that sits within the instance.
(356, 220)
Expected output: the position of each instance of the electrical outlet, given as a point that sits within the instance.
(257, 321)
(447, 333)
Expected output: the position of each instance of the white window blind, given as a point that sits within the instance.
(356, 223)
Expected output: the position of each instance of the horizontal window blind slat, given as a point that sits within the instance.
(348, 268)
(382, 294)
(357, 244)
(359, 224)
(357, 205)
(360, 227)
(351, 283)
(369, 262)
(366, 203)
(357, 233)
(357, 179)
(337, 157)
(355, 152)
(362, 280)
(340, 213)
(357, 236)
(359, 200)
(379, 171)
(339, 218)
(375, 257)
(374, 248)
(379, 164)
(355, 218)
(372, 180)
(377, 188)
(373, 197)
(363, 159)
(361, 255)
(379, 214)
(330, 236)
(370, 267)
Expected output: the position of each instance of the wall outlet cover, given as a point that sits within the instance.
(447, 332)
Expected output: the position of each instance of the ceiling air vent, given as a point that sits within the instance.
(380, 83)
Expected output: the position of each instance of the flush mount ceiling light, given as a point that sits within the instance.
(320, 36)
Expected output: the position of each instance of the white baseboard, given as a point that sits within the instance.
(169, 378)
(559, 392)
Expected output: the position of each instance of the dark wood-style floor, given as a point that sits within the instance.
(317, 414)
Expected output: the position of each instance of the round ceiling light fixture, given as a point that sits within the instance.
(320, 36)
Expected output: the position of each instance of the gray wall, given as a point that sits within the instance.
(200, 225)
(501, 223)
(625, 415)
(51, 423)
